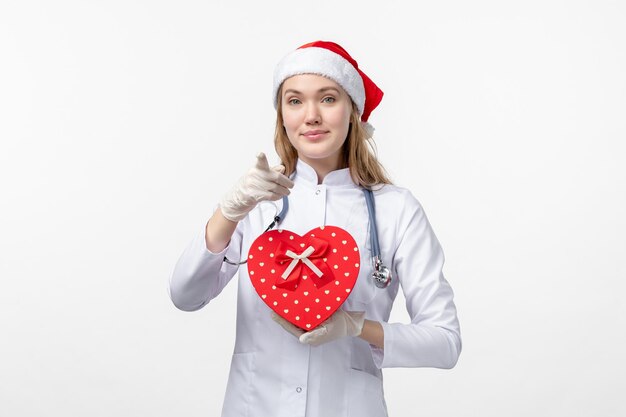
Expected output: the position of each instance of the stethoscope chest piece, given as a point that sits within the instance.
(381, 274)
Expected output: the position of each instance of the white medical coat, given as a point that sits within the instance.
(272, 373)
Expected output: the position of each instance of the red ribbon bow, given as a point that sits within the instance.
(310, 254)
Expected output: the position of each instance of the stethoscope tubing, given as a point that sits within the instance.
(381, 274)
(371, 211)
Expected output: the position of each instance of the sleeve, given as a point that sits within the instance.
(201, 275)
(432, 338)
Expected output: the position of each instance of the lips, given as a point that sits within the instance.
(314, 134)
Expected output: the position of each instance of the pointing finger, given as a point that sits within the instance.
(261, 162)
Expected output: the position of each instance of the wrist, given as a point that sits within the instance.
(218, 232)
(357, 321)
(373, 333)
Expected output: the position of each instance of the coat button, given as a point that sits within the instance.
(298, 390)
(317, 192)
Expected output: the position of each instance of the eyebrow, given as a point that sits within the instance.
(321, 90)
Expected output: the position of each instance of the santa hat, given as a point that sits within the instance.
(332, 61)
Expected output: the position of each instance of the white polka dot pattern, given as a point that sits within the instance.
(303, 298)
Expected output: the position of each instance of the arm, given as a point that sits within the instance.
(200, 274)
(432, 339)
(219, 231)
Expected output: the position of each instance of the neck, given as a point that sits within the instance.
(323, 167)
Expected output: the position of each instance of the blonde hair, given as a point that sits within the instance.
(359, 151)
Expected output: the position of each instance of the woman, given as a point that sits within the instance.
(323, 102)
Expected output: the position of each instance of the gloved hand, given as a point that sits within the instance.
(259, 184)
(342, 323)
(294, 330)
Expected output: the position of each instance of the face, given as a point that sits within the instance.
(316, 116)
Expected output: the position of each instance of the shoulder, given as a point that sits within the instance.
(398, 206)
(390, 196)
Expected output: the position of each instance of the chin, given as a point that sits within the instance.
(316, 156)
(318, 152)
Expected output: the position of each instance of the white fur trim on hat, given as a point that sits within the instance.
(321, 61)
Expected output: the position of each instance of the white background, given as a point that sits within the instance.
(123, 122)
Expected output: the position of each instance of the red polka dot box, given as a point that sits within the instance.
(304, 279)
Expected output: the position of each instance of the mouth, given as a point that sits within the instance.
(314, 134)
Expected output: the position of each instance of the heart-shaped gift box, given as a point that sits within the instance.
(304, 279)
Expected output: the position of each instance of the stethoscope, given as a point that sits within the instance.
(381, 274)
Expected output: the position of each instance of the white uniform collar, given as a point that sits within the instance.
(339, 177)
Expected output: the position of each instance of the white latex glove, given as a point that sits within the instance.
(341, 324)
(294, 330)
(259, 184)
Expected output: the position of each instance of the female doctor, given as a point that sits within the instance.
(323, 101)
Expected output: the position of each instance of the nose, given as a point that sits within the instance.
(313, 116)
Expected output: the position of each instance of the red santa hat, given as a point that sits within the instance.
(332, 61)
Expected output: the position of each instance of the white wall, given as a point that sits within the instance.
(123, 122)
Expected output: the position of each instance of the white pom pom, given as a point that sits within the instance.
(369, 129)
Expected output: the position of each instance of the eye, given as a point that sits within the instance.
(328, 99)
(293, 101)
